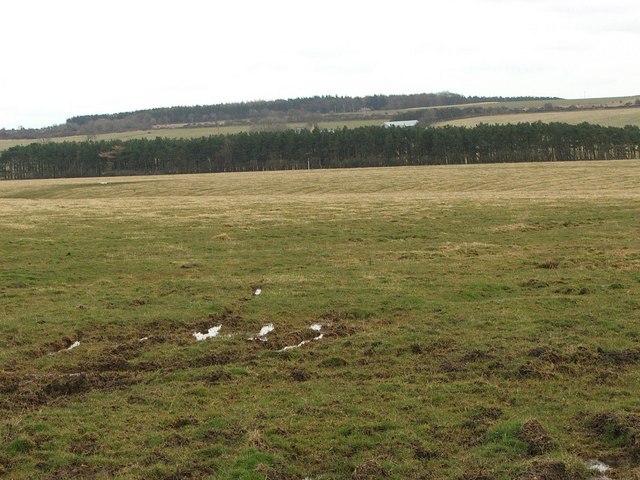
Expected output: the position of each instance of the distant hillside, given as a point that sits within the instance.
(618, 111)
(311, 109)
(608, 117)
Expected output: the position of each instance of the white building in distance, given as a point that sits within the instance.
(404, 123)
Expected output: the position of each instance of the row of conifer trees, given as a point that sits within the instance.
(360, 147)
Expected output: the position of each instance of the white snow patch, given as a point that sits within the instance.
(598, 466)
(316, 327)
(73, 345)
(266, 329)
(262, 333)
(143, 339)
(213, 332)
(289, 347)
(104, 183)
(258, 291)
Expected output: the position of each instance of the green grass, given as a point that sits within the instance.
(457, 303)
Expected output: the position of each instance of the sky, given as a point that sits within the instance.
(65, 57)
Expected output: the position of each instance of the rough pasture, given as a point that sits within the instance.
(476, 322)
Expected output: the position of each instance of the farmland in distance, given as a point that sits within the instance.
(610, 118)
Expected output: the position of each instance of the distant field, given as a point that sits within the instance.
(468, 322)
(358, 119)
(611, 118)
(195, 132)
(578, 102)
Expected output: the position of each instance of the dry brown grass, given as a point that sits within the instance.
(296, 197)
(501, 181)
(610, 118)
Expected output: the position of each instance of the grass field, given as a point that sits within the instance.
(615, 118)
(598, 102)
(195, 132)
(610, 118)
(477, 322)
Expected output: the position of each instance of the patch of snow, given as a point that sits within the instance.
(316, 327)
(262, 333)
(258, 291)
(143, 339)
(289, 347)
(598, 466)
(213, 332)
(266, 329)
(73, 345)
(104, 183)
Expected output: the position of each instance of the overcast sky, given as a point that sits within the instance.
(63, 58)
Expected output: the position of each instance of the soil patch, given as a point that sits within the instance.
(77, 470)
(86, 444)
(547, 354)
(216, 358)
(8, 383)
(536, 369)
(67, 385)
(300, 375)
(619, 357)
(479, 423)
(215, 377)
(550, 265)
(537, 438)
(452, 367)
(34, 390)
(477, 356)
(228, 435)
(621, 429)
(370, 470)
(109, 363)
(56, 346)
(183, 422)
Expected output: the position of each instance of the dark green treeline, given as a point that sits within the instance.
(360, 147)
